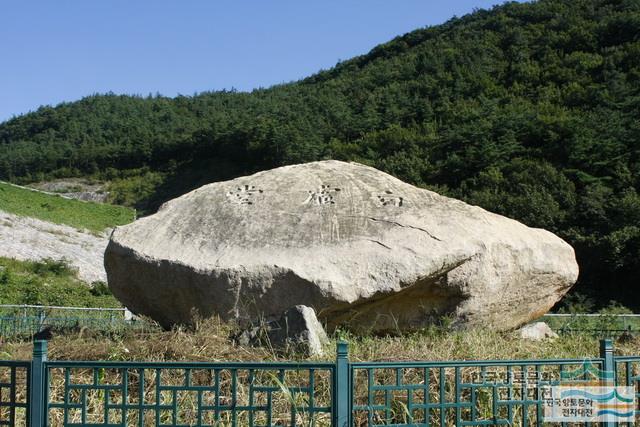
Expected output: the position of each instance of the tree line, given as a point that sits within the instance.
(528, 110)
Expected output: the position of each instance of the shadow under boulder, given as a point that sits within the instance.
(297, 330)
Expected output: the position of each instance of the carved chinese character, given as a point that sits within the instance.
(244, 195)
(325, 195)
(389, 199)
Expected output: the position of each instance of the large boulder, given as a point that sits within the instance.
(358, 245)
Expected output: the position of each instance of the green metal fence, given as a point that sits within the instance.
(627, 370)
(188, 394)
(597, 324)
(25, 320)
(14, 389)
(341, 393)
(25, 327)
(456, 393)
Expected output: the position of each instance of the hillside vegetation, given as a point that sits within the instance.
(529, 110)
(95, 217)
(49, 282)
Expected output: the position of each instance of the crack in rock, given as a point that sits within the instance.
(405, 226)
(379, 243)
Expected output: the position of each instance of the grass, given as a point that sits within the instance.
(210, 343)
(95, 217)
(49, 282)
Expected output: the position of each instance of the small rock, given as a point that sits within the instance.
(297, 329)
(537, 332)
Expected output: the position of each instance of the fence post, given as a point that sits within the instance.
(609, 368)
(342, 389)
(37, 390)
(609, 371)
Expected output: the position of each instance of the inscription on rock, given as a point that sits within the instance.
(244, 195)
(325, 195)
(389, 199)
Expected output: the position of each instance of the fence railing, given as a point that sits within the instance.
(450, 393)
(25, 320)
(599, 324)
(144, 394)
(14, 389)
(341, 393)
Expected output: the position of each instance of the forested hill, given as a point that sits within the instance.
(529, 110)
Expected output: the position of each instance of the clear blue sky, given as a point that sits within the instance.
(62, 50)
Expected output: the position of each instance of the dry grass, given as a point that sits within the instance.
(210, 342)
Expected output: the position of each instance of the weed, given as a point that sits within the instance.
(49, 282)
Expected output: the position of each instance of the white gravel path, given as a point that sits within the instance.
(30, 239)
